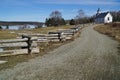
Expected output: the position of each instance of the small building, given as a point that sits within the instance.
(105, 17)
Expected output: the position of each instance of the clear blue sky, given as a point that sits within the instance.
(39, 10)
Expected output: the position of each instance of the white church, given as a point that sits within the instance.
(105, 17)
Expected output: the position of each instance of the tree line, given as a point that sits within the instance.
(116, 16)
(56, 19)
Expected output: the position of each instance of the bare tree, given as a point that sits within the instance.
(55, 19)
(81, 17)
(56, 15)
(116, 15)
(81, 14)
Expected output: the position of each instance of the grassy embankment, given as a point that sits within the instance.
(13, 60)
(111, 29)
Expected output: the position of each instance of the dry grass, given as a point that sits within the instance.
(9, 34)
(13, 60)
(112, 29)
(43, 30)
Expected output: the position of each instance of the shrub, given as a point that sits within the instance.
(0, 27)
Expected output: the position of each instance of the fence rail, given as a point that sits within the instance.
(13, 40)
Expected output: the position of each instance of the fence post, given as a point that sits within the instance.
(59, 36)
(73, 32)
(29, 42)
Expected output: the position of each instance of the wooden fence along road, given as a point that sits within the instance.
(18, 46)
(27, 44)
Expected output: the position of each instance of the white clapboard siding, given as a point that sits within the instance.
(13, 40)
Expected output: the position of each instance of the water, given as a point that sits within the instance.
(17, 27)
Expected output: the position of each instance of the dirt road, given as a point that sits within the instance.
(93, 56)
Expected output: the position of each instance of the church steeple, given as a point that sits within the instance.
(98, 11)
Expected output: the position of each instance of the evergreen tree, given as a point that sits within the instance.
(7, 27)
(0, 27)
(72, 22)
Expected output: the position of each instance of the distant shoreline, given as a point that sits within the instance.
(12, 23)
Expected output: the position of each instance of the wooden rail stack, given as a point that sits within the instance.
(50, 37)
(56, 36)
(18, 46)
(70, 33)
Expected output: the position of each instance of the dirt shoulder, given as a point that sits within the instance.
(92, 56)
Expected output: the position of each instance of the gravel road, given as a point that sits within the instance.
(92, 56)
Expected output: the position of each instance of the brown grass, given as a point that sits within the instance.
(111, 29)
(8, 34)
(43, 30)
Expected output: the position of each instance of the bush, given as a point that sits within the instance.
(72, 22)
(0, 27)
(113, 24)
(116, 25)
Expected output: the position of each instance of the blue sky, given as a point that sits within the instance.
(39, 10)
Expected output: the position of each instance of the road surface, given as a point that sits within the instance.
(92, 56)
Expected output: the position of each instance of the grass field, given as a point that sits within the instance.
(8, 34)
(111, 29)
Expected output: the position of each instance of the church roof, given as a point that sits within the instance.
(101, 15)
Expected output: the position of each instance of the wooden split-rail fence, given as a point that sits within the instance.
(56, 36)
(27, 44)
(18, 46)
